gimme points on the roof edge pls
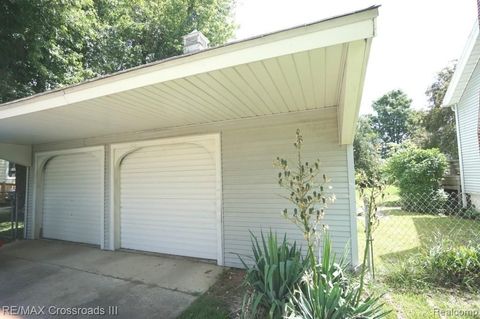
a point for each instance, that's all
(363, 14)
(455, 89)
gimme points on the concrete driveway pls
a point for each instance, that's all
(63, 276)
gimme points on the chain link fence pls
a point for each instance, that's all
(11, 219)
(411, 224)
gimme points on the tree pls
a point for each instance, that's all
(366, 147)
(439, 122)
(393, 118)
(46, 44)
(436, 91)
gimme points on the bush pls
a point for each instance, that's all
(432, 202)
(450, 265)
(418, 174)
(331, 295)
(470, 213)
(277, 268)
(444, 264)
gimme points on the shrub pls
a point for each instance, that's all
(470, 213)
(418, 174)
(331, 295)
(450, 265)
(277, 268)
(428, 202)
(443, 264)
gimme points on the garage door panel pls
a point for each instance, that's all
(168, 196)
(73, 198)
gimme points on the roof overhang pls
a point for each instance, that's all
(304, 68)
(465, 67)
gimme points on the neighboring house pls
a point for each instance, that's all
(463, 95)
(7, 172)
(177, 156)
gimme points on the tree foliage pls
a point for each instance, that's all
(439, 122)
(436, 91)
(366, 147)
(45, 44)
(393, 118)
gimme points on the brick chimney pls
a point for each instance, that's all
(195, 41)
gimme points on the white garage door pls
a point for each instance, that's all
(73, 198)
(168, 200)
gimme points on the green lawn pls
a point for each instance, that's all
(401, 234)
(5, 224)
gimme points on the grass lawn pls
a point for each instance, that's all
(5, 224)
(401, 234)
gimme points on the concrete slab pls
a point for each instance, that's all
(59, 274)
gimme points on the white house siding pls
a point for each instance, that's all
(3, 170)
(251, 197)
(468, 117)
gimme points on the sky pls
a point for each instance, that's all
(415, 39)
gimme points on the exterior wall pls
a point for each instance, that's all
(251, 197)
(3, 171)
(468, 125)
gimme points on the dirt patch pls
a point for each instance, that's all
(229, 290)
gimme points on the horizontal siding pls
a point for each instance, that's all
(3, 171)
(468, 117)
(251, 197)
(73, 203)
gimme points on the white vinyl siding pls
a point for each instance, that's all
(72, 200)
(3, 170)
(251, 196)
(168, 200)
(468, 117)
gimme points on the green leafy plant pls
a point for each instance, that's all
(454, 265)
(277, 267)
(443, 264)
(418, 173)
(331, 295)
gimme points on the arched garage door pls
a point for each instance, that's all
(168, 199)
(73, 197)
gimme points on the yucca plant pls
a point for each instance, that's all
(275, 269)
(331, 301)
(330, 295)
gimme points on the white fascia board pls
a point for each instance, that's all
(327, 33)
(462, 72)
(352, 89)
(19, 154)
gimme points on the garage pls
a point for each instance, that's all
(73, 196)
(170, 197)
